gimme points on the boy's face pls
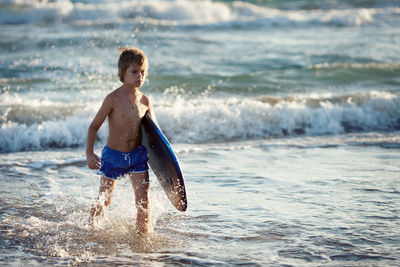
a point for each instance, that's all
(135, 75)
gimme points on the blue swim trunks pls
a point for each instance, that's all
(115, 163)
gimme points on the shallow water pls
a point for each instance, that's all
(279, 205)
(285, 116)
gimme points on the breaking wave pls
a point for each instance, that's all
(185, 12)
(206, 119)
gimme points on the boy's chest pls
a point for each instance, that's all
(128, 113)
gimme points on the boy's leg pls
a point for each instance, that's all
(140, 183)
(104, 199)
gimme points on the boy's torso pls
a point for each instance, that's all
(124, 121)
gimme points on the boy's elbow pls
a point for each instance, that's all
(93, 128)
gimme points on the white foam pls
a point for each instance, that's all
(181, 12)
(69, 132)
(349, 17)
(212, 119)
(205, 119)
(65, 11)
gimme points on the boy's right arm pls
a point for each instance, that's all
(93, 161)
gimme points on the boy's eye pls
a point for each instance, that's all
(137, 71)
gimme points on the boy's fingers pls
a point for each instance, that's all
(97, 163)
(94, 164)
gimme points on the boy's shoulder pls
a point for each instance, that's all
(115, 95)
(144, 99)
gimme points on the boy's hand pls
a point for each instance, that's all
(93, 161)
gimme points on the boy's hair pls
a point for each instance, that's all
(131, 56)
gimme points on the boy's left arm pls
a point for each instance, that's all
(151, 111)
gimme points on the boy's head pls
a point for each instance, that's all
(131, 56)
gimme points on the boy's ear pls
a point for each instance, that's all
(120, 77)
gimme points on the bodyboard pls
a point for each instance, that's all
(164, 163)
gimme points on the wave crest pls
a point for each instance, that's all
(268, 116)
(206, 119)
(184, 12)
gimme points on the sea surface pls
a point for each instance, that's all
(285, 117)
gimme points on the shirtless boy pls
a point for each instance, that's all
(124, 107)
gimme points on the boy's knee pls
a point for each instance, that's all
(142, 186)
(107, 182)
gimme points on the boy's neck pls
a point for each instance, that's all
(130, 90)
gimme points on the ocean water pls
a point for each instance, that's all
(285, 117)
